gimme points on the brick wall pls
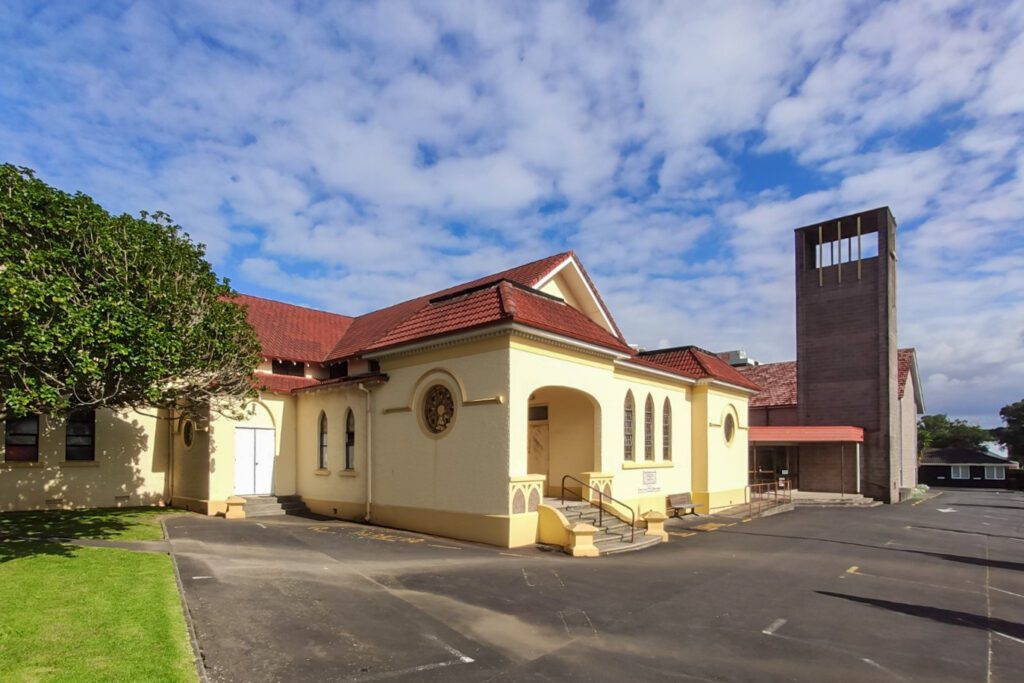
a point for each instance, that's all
(846, 343)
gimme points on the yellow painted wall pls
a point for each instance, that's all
(130, 466)
(537, 364)
(190, 468)
(573, 418)
(467, 469)
(720, 467)
(334, 486)
(270, 411)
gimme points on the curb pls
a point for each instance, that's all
(197, 655)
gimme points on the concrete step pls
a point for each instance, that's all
(274, 506)
(641, 543)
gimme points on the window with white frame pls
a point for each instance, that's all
(960, 471)
(997, 472)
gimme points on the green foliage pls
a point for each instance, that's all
(1012, 435)
(110, 311)
(938, 431)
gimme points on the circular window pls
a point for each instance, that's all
(438, 409)
(729, 427)
(188, 433)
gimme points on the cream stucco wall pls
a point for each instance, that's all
(129, 469)
(538, 366)
(467, 469)
(908, 435)
(720, 466)
(332, 490)
(270, 411)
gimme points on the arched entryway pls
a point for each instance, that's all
(564, 435)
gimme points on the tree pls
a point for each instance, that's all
(938, 431)
(1012, 435)
(111, 311)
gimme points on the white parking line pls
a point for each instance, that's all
(460, 658)
(774, 626)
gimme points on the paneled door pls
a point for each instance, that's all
(254, 461)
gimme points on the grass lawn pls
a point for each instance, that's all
(72, 613)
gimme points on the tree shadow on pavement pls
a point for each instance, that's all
(966, 559)
(945, 616)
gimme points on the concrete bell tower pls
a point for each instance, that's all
(846, 336)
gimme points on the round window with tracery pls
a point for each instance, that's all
(730, 428)
(438, 409)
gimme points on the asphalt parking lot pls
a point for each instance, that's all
(921, 592)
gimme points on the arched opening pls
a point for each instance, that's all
(649, 428)
(666, 430)
(563, 437)
(321, 458)
(350, 440)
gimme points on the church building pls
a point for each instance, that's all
(457, 413)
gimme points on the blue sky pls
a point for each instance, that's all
(350, 155)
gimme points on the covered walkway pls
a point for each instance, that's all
(825, 458)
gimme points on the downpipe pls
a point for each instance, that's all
(369, 451)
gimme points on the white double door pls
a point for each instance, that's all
(254, 461)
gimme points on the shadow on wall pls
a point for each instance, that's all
(124, 451)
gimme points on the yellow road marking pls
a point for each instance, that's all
(514, 555)
(449, 547)
(710, 526)
(852, 570)
(682, 534)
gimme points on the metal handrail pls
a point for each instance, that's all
(766, 493)
(600, 507)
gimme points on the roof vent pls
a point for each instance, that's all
(737, 358)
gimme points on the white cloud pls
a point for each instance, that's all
(356, 154)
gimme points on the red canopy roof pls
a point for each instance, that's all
(806, 434)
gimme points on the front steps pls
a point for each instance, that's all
(817, 499)
(612, 535)
(274, 506)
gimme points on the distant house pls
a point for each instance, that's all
(964, 467)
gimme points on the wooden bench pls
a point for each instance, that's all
(682, 501)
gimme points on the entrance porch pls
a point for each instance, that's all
(811, 459)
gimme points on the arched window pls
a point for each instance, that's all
(350, 440)
(649, 428)
(321, 458)
(628, 428)
(666, 430)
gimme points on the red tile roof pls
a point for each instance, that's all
(778, 380)
(503, 301)
(282, 384)
(694, 362)
(368, 330)
(289, 332)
